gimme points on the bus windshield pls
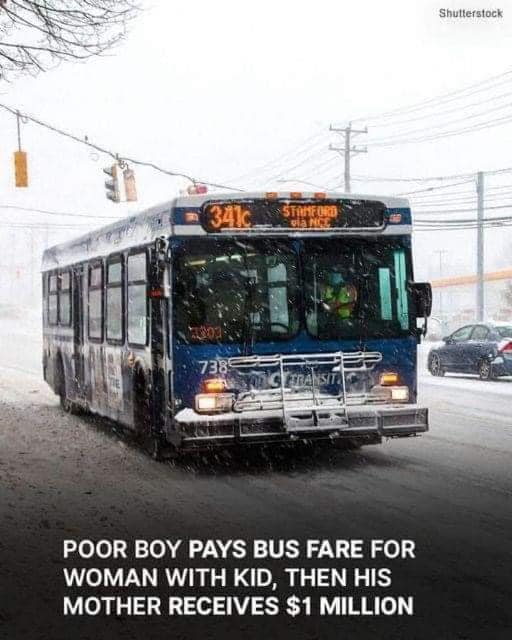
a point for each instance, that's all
(238, 291)
(356, 289)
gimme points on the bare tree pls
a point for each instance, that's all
(36, 35)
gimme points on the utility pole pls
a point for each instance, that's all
(348, 149)
(441, 252)
(480, 247)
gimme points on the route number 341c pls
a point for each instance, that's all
(228, 216)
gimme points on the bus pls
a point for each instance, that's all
(219, 319)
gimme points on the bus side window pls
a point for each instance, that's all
(137, 298)
(114, 301)
(53, 304)
(95, 301)
(65, 299)
(401, 288)
(386, 305)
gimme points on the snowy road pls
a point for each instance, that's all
(449, 490)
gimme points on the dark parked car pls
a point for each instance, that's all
(484, 348)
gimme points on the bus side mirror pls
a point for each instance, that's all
(158, 273)
(422, 298)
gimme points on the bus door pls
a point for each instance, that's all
(78, 330)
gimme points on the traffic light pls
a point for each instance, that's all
(112, 185)
(130, 188)
(20, 169)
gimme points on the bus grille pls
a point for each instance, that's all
(310, 405)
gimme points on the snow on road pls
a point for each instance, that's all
(65, 476)
(450, 490)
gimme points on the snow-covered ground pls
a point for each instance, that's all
(21, 339)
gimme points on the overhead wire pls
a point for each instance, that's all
(441, 125)
(441, 98)
(296, 151)
(446, 111)
(447, 134)
(112, 154)
(435, 188)
(59, 213)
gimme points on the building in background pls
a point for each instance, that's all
(454, 300)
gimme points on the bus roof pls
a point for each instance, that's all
(145, 227)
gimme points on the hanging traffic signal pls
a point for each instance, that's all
(20, 169)
(130, 188)
(112, 185)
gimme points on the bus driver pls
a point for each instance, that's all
(339, 296)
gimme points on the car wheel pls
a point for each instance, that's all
(436, 368)
(485, 370)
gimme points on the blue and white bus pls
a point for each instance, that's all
(220, 319)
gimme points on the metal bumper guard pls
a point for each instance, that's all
(283, 413)
(376, 422)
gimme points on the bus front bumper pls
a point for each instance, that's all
(368, 423)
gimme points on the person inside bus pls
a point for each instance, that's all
(339, 296)
(191, 308)
(225, 302)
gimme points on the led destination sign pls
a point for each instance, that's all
(328, 214)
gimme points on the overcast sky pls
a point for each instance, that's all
(216, 89)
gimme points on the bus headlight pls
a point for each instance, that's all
(399, 394)
(214, 402)
(389, 394)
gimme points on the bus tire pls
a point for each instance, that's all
(346, 444)
(67, 405)
(149, 442)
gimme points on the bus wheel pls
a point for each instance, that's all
(151, 443)
(346, 444)
(67, 405)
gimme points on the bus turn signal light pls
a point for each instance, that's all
(388, 378)
(191, 217)
(214, 385)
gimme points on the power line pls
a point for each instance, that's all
(112, 154)
(461, 227)
(58, 213)
(399, 135)
(362, 178)
(420, 199)
(445, 111)
(467, 199)
(447, 134)
(430, 221)
(505, 206)
(295, 151)
(42, 225)
(442, 98)
(318, 153)
(427, 189)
